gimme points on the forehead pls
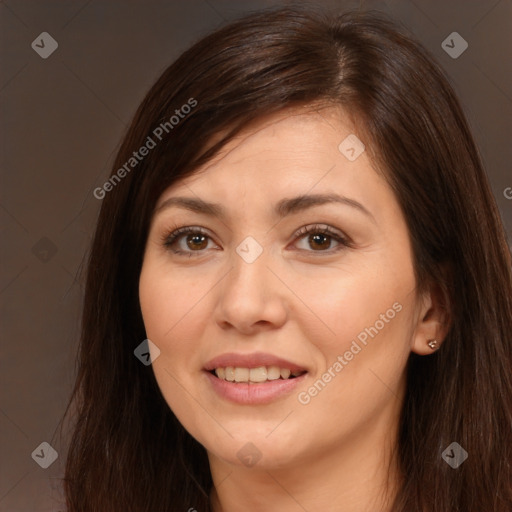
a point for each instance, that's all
(291, 150)
(289, 132)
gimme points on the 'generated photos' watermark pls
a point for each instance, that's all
(150, 143)
(304, 397)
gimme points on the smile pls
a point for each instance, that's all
(250, 379)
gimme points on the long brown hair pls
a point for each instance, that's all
(128, 451)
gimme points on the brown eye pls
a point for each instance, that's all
(320, 237)
(196, 241)
(321, 240)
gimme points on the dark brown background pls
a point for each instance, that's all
(62, 119)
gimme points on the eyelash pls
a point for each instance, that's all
(170, 238)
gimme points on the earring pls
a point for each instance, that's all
(432, 344)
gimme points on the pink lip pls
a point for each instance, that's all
(250, 361)
(251, 393)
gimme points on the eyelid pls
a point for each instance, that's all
(335, 233)
(169, 238)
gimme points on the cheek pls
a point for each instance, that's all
(166, 300)
(363, 365)
(170, 310)
(362, 302)
(172, 323)
(370, 311)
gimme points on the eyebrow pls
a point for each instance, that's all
(287, 206)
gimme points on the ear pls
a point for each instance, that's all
(434, 320)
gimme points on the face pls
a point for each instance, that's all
(306, 309)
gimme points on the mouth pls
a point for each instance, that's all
(253, 378)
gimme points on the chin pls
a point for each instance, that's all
(257, 451)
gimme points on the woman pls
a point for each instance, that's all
(299, 290)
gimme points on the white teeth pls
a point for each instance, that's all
(256, 375)
(241, 374)
(230, 374)
(273, 373)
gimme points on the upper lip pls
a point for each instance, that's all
(250, 361)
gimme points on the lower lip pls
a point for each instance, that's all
(254, 393)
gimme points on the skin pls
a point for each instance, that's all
(299, 300)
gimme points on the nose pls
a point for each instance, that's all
(251, 297)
